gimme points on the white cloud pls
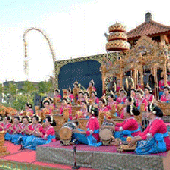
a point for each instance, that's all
(78, 32)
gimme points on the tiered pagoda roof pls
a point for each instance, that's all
(149, 28)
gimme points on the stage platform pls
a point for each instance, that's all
(103, 157)
(26, 160)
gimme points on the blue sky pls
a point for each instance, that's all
(75, 29)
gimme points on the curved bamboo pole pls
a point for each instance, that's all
(25, 48)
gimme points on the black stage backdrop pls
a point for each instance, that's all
(83, 72)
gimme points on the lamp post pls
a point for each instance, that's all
(74, 155)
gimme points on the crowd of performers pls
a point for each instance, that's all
(31, 133)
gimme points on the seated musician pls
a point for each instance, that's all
(140, 99)
(28, 109)
(148, 94)
(25, 130)
(165, 98)
(155, 137)
(83, 111)
(122, 98)
(80, 98)
(14, 130)
(46, 110)
(57, 94)
(129, 127)
(102, 106)
(161, 85)
(33, 131)
(94, 98)
(44, 135)
(70, 96)
(65, 105)
(4, 126)
(91, 136)
(112, 102)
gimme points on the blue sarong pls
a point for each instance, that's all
(15, 138)
(8, 136)
(32, 141)
(155, 144)
(88, 140)
(121, 134)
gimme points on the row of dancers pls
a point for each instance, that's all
(153, 139)
(26, 134)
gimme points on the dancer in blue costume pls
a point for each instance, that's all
(45, 135)
(91, 136)
(16, 129)
(26, 129)
(33, 132)
(5, 125)
(155, 138)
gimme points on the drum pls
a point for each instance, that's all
(66, 133)
(105, 136)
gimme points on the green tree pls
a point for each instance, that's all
(29, 90)
(45, 87)
(19, 104)
(10, 92)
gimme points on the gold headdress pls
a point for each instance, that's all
(92, 81)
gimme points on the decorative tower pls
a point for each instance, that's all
(117, 39)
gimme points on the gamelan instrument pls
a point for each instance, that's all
(124, 146)
(66, 133)
(165, 107)
(82, 122)
(106, 136)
